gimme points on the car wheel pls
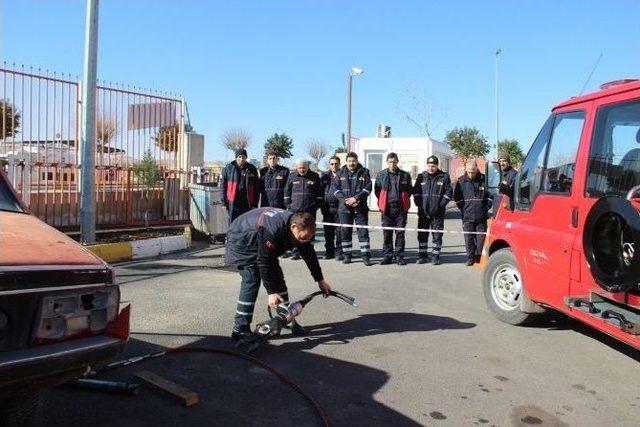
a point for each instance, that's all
(21, 408)
(503, 288)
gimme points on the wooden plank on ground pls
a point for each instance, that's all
(177, 392)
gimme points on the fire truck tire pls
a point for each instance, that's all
(610, 242)
(503, 288)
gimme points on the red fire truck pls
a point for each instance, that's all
(566, 235)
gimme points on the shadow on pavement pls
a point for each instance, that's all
(372, 324)
(553, 320)
(233, 391)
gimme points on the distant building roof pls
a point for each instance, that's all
(68, 142)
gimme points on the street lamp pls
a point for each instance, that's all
(355, 71)
(497, 107)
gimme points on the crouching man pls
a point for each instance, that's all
(255, 240)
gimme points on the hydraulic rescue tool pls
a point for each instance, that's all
(284, 314)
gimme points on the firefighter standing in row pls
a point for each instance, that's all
(393, 190)
(352, 188)
(474, 201)
(273, 179)
(240, 186)
(255, 240)
(332, 234)
(432, 192)
(303, 193)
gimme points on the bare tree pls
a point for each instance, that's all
(235, 139)
(106, 129)
(317, 150)
(420, 112)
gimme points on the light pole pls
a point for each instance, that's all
(88, 136)
(497, 107)
(355, 71)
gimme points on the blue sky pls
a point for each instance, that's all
(281, 66)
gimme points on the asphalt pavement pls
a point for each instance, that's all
(420, 349)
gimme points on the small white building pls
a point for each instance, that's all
(412, 153)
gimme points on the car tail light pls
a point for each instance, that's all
(75, 314)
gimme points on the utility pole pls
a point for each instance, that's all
(497, 109)
(355, 71)
(88, 136)
(349, 91)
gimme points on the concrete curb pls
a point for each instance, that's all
(137, 249)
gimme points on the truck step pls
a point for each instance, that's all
(612, 312)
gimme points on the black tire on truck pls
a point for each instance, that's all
(21, 407)
(503, 288)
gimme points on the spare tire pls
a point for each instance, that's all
(611, 243)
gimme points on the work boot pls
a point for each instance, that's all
(470, 262)
(241, 333)
(339, 256)
(401, 261)
(424, 259)
(347, 259)
(329, 255)
(386, 260)
(367, 261)
(436, 260)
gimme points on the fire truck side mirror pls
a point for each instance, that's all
(494, 177)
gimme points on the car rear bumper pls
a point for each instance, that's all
(53, 363)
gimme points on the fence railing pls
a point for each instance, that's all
(141, 171)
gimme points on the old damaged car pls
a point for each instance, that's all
(59, 309)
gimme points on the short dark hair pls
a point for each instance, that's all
(334, 158)
(353, 155)
(303, 220)
(272, 153)
(392, 155)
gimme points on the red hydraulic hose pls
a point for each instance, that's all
(316, 406)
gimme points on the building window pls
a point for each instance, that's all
(374, 163)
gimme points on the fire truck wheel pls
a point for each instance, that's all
(503, 288)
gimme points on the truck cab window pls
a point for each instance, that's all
(530, 176)
(614, 157)
(562, 152)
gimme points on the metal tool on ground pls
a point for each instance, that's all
(284, 314)
(125, 362)
(107, 386)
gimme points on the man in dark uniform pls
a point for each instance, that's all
(332, 234)
(508, 172)
(240, 186)
(273, 178)
(431, 193)
(255, 240)
(393, 190)
(508, 179)
(352, 188)
(303, 193)
(474, 201)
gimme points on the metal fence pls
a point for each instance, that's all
(141, 171)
